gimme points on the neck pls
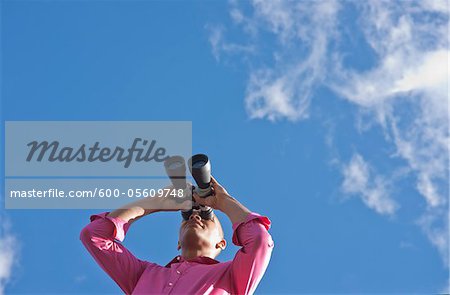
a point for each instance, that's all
(194, 253)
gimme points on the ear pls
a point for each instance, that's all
(222, 244)
(179, 246)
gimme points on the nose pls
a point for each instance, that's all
(196, 216)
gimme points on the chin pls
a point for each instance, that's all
(195, 236)
(192, 234)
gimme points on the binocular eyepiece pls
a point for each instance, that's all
(200, 169)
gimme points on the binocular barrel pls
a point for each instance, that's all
(176, 170)
(200, 169)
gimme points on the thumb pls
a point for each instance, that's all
(197, 198)
(214, 183)
(217, 186)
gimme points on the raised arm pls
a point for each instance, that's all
(102, 239)
(251, 233)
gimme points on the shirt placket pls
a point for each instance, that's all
(175, 275)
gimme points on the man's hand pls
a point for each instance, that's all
(171, 202)
(222, 201)
(216, 199)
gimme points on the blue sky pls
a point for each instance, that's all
(331, 118)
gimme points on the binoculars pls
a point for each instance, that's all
(200, 169)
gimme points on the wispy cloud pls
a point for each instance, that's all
(285, 89)
(8, 253)
(434, 223)
(220, 46)
(403, 89)
(359, 180)
(412, 51)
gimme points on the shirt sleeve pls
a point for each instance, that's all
(100, 237)
(251, 261)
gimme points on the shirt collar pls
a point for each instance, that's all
(200, 259)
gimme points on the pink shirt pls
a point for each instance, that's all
(202, 275)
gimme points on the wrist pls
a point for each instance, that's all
(234, 210)
(223, 202)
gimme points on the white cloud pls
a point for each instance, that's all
(220, 46)
(285, 90)
(435, 5)
(434, 224)
(359, 180)
(404, 90)
(430, 73)
(271, 98)
(8, 254)
(413, 62)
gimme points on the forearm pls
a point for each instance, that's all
(133, 211)
(233, 209)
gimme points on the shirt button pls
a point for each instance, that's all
(170, 284)
(178, 257)
(178, 272)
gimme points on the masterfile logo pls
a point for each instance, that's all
(54, 152)
(92, 165)
(94, 148)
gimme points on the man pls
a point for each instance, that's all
(195, 271)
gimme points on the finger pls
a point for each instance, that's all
(216, 185)
(187, 204)
(197, 198)
(195, 195)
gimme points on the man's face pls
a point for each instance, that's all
(200, 233)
